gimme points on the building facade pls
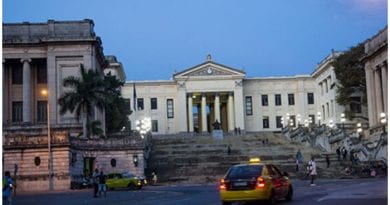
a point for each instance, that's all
(376, 78)
(199, 96)
(37, 57)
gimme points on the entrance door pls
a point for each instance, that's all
(89, 165)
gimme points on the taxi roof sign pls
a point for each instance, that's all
(254, 160)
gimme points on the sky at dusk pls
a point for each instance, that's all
(153, 38)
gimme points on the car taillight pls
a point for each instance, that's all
(260, 182)
(222, 185)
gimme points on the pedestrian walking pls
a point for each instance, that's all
(327, 161)
(154, 178)
(298, 155)
(312, 169)
(229, 150)
(7, 188)
(338, 153)
(95, 182)
(102, 184)
(296, 164)
(345, 152)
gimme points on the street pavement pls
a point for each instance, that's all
(327, 192)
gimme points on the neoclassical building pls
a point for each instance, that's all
(36, 57)
(198, 96)
(376, 78)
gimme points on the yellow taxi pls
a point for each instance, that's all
(255, 181)
(123, 180)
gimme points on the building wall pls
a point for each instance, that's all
(299, 86)
(377, 77)
(162, 91)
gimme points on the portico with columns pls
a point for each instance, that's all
(213, 93)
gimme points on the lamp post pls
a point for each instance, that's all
(299, 119)
(331, 123)
(342, 120)
(359, 129)
(143, 126)
(288, 119)
(50, 168)
(383, 121)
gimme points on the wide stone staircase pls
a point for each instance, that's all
(202, 159)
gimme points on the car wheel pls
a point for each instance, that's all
(226, 203)
(289, 195)
(131, 186)
(271, 200)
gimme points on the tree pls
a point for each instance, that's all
(350, 73)
(86, 92)
(117, 108)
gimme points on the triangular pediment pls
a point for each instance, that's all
(209, 69)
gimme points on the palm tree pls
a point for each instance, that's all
(87, 92)
(117, 108)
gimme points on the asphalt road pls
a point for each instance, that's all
(327, 192)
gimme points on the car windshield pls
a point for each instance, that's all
(128, 175)
(246, 171)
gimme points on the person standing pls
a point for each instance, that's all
(154, 179)
(102, 184)
(338, 153)
(95, 182)
(312, 171)
(7, 188)
(298, 156)
(327, 161)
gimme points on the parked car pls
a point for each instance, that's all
(123, 180)
(255, 181)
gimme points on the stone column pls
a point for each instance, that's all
(378, 94)
(230, 112)
(5, 93)
(384, 85)
(26, 90)
(190, 114)
(370, 94)
(217, 112)
(204, 113)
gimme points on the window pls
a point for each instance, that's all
(140, 103)
(17, 111)
(265, 122)
(154, 126)
(278, 100)
(291, 100)
(310, 98)
(327, 110)
(42, 111)
(153, 103)
(264, 100)
(355, 105)
(248, 105)
(170, 108)
(127, 103)
(279, 122)
(17, 74)
(42, 73)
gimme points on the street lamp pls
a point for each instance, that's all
(383, 121)
(282, 122)
(306, 123)
(288, 119)
(45, 92)
(319, 118)
(342, 120)
(143, 126)
(299, 119)
(331, 123)
(359, 129)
